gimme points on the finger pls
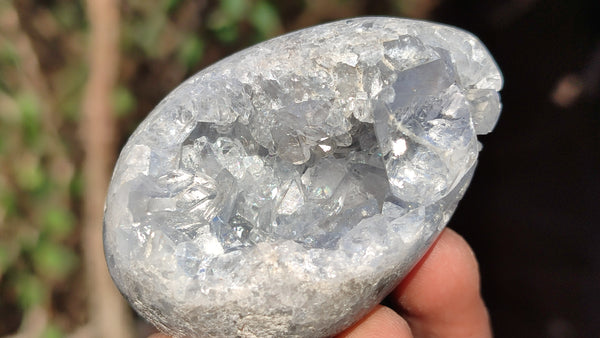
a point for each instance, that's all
(441, 295)
(159, 335)
(381, 322)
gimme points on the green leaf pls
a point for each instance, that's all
(76, 185)
(171, 5)
(30, 291)
(234, 9)
(2, 144)
(69, 14)
(4, 259)
(58, 222)
(31, 177)
(52, 331)
(53, 261)
(28, 106)
(227, 34)
(29, 109)
(265, 19)
(123, 101)
(72, 81)
(145, 33)
(8, 202)
(9, 54)
(218, 20)
(191, 51)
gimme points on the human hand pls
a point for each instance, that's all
(440, 297)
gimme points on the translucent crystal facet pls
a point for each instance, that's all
(286, 189)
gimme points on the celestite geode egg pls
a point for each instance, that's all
(285, 190)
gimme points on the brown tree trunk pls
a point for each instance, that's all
(109, 315)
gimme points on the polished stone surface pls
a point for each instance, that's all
(288, 188)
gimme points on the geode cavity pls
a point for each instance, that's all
(285, 190)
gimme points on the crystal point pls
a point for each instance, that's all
(285, 190)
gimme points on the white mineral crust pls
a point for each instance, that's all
(286, 189)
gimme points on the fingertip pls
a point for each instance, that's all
(442, 293)
(448, 271)
(381, 322)
(159, 335)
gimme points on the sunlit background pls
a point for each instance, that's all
(76, 77)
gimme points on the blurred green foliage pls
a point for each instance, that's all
(38, 221)
(123, 101)
(191, 51)
(30, 290)
(43, 71)
(52, 331)
(225, 20)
